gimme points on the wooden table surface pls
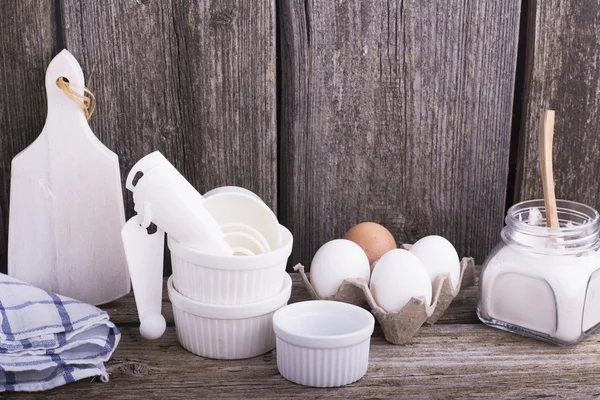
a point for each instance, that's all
(455, 358)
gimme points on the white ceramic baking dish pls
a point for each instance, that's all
(323, 343)
(229, 280)
(227, 331)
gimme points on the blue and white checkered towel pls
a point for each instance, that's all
(47, 340)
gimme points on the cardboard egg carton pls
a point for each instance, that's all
(399, 327)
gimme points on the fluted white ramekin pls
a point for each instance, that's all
(227, 331)
(323, 343)
(229, 280)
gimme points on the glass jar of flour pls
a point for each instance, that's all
(544, 282)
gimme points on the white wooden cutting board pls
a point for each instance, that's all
(66, 203)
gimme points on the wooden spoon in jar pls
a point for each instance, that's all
(545, 138)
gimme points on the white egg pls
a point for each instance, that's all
(335, 261)
(397, 277)
(439, 257)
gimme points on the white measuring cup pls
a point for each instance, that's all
(163, 196)
(237, 228)
(230, 189)
(241, 208)
(244, 244)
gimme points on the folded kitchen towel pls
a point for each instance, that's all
(47, 340)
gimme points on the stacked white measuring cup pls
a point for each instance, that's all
(228, 253)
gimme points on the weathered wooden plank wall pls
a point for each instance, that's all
(193, 79)
(563, 73)
(397, 112)
(27, 44)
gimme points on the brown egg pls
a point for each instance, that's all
(373, 238)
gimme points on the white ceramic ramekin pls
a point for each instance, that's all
(227, 332)
(229, 280)
(323, 343)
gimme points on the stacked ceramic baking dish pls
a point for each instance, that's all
(229, 301)
(228, 253)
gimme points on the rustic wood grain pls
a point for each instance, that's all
(397, 112)
(27, 44)
(563, 74)
(193, 79)
(443, 361)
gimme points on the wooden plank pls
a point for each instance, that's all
(461, 311)
(195, 80)
(397, 112)
(563, 74)
(27, 44)
(452, 360)
(444, 361)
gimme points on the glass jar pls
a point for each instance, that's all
(544, 282)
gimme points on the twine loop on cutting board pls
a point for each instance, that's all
(87, 101)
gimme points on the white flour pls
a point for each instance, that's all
(542, 292)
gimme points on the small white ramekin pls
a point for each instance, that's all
(323, 343)
(227, 331)
(229, 280)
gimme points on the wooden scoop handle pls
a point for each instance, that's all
(545, 139)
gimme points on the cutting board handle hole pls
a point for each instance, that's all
(151, 229)
(138, 175)
(64, 79)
